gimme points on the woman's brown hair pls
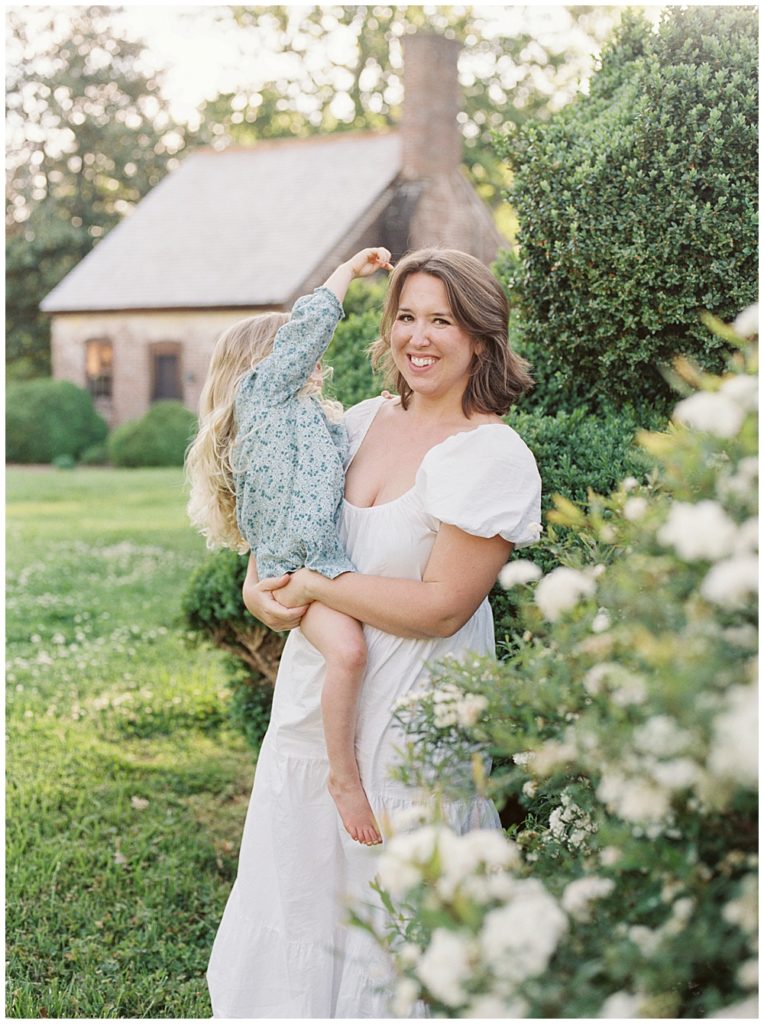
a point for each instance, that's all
(498, 376)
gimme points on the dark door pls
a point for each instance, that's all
(166, 376)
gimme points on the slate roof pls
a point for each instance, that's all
(241, 227)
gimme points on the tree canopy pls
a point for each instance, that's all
(89, 134)
(358, 85)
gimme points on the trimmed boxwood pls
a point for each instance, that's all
(214, 612)
(575, 452)
(160, 438)
(637, 207)
(353, 379)
(48, 419)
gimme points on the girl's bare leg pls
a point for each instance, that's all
(339, 638)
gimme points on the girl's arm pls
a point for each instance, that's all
(259, 600)
(459, 574)
(300, 343)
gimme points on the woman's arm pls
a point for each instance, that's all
(459, 574)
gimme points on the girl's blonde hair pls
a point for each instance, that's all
(209, 459)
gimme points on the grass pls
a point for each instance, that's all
(126, 789)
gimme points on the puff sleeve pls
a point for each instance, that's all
(485, 481)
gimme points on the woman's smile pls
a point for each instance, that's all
(421, 362)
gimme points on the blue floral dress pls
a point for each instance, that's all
(288, 459)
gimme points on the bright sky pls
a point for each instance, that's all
(203, 53)
(204, 56)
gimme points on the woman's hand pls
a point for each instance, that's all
(260, 601)
(298, 592)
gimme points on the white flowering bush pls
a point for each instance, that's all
(624, 723)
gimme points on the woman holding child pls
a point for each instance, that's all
(437, 492)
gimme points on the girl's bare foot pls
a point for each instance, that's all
(355, 810)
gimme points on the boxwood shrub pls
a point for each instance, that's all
(637, 207)
(48, 419)
(576, 452)
(353, 378)
(160, 438)
(214, 612)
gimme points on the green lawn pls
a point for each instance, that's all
(126, 791)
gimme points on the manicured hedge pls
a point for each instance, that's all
(50, 419)
(160, 438)
(575, 452)
(637, 207)
(213, 609)
(353, 379)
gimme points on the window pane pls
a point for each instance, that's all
(98, 367)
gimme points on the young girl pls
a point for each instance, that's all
(266, 474)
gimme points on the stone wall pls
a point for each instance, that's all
(132, 334)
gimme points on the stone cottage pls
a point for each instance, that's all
(238, 232)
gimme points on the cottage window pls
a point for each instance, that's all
(99, 359)
(166, 371)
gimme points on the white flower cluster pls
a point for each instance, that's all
(743, 910)
(635, 507)
(450, 705)
(446, 965)
(721, 412)
(632, 797)
(579, 895)
(515, 933)
(561, 589)
(655, 765)
(519, 938)
(621, 1006)
(702, 531)
(746, 323)
(601, 621)
(623, 686)
(569, 824)
(705, 531)
(740, 485)
(518, 572)
(408, 856)
(733, 756)
(732, 583)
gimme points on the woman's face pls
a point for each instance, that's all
(432, 352)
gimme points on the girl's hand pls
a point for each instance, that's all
(260, 601)
(368, 261)
(297, 592)
(364, 263)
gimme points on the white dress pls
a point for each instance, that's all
(283, 948)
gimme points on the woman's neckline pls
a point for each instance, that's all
(392, 501)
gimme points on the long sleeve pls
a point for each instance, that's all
(298, 346)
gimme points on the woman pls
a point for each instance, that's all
(438, 491)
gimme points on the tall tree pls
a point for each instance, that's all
(342, 70)
(88, 135)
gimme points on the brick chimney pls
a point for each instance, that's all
(432, 142)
